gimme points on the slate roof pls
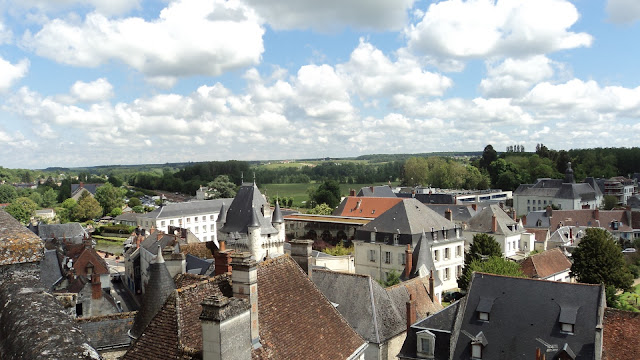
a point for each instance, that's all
(364, 207)
(130, 217)
(557, 188)
(545, 264)
(538, 219)
(191, 208)
(483, 222)
(440, 323)
(430, 198)
(50, 269)
(73, 232)
(196, 265)
(410, 217)
(423, 260)
(621, 341)
(459, 213)
(377, 191)
(240, 212)
(108, 331)
(75, 188)
(376, 313)
(511, 332)
(296, 321)
(17, 243)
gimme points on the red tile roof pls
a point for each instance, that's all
(545, 264)
(365, 206)
(540, 234)
(592, 218)
(621, 341)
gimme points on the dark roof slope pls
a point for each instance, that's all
(461, 213)
(240, 212)
(73, 232)
(376, 313)
(621, 341)
(50, 269)
(108, 331)
(409, 216)
(296, 320)
(505, 225)
(17, 243)
(377, 191)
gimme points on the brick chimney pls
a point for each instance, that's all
(448, 214)
(474, 206)
(549, 212)
(431, 287)
(371, 188)
(352, 192)
(96, 287)
(222, 260)
(225, 328)
(411, 312)
(494, 223)
(524, 220)
(301, 253)
(244, 278)
(408, 261)
(596, 214)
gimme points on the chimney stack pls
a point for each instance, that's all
(596, 214)
(431, 287)
(222, 260)
(244, 278)
(225, 324)
(352, 192)
(96, 287)
(448, 214)
(411, 312)
(371, 188)
(301, 254)
(494, 223)
(408, 263)
(549, 212)
(474, 206)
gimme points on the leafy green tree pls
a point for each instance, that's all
(49, 198)
(328, 193)
(223, 187)
(87, 208)
(8, 193)
(484, 247)
(415, 171)
(393, 278)
(133, 202)
(322, 209)
(115, 181)
(109, 197)
(22, 209)
(489, 155)
(138, 209)
(65, 190)
(36, 197)
(63, 214)
(599, 260)
(115, 212)
(338, 250)
(609, 202)
(493, 265)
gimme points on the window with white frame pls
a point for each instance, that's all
(425, 344)
(476, 351)
(447, 253)
(395, 239)
(436, 255)
(458, 270)
(459, 251)
(188, 220)
(196, 229)
(162, 223)
(212, 227)
(170, 222)
(372, 255)
(446, 274)
(211, 217)
(195, 219)
(402, 258)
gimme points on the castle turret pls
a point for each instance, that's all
(253, 230)
(278, 223)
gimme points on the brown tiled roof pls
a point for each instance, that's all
(540, 234)
(175, 331)
(17, 243)
(545, 264)
(296, 320)
(89, 255)
(621, 341)
(587, 217)
(369, 206)
(203, 250)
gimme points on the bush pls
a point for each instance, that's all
(115, 229)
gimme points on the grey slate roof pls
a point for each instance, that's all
(410, 217)
(108, 332)
(196, 265)
(441, 324)
(525, 315)
(73, 232)
(89, 187)
(422, 255)
(160, 286)
(483, 222)
(376, 191)
(191, 208)
(556, 188)
(534, 216)
(50, 269)
(276, 217)
(461, 213)
(239, 215)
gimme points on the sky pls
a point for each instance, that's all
(115, 82)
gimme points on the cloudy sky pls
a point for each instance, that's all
(98, 82)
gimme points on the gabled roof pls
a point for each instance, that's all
(482, 222)
(540, 234)
(191, 208)
(73, 232)
(370, 207)
(108, 331)
(76, 188)
(409, 216)
(17, 243)
(50, 269)
(376, 313)
(621, 341)
(90, 256)
(296, 321)
(239, 214)
(592, 218)
(423, 260)
(545, 264)
(440, 323)
(460, 213)
(557, 188)
(377, 191)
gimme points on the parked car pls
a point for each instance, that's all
(629, 250)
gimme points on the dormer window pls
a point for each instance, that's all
(426, 344)
(476, 351)
(567, 320)
(478, 343)
(484, 308)
(566, 328)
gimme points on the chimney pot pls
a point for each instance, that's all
(431, 287)
(408, 263)
(301, 254)
(494, 223)
(411, 312)
(448, 214)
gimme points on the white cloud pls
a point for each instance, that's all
(95, 91)
(623, 11)
(10, 73)
(332, 15)
(486, 28)
(190, 37)
(514, 77)
(106, 7)
(6, 35)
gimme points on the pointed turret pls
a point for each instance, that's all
(568, 175)
(158, 289)
(222, 217)
(276, 218)
(254, 222)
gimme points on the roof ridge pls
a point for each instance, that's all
(373, 311)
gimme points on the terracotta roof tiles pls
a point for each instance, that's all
(545, 264)
(365, 206)
(621, 341)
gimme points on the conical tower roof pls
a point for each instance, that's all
(276, 218)
(254, 222)
(222, 217)
(158, 289)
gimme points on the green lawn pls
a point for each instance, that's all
(631, 300)
(299, 191)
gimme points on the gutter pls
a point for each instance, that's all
(359, 351)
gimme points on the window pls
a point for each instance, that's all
(436, 255)
(372, 255)
(447, 254)
(426, 344)
(483, 316)
(545, 202)
(458, 250)
(204, 228)
(170, 222)
(212, 227)
(211, 217)
(188, 220)
(162, 223)
(180, 222)
(195, 219)
(476, 351)
(458, 270)
(567, 328)
(402, 259)
(447, 275)
(387, 257)
(528, 201)
(196, 229)
(395, 239)
(538, 202)
(528, 208)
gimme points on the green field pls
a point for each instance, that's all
(299, 191)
